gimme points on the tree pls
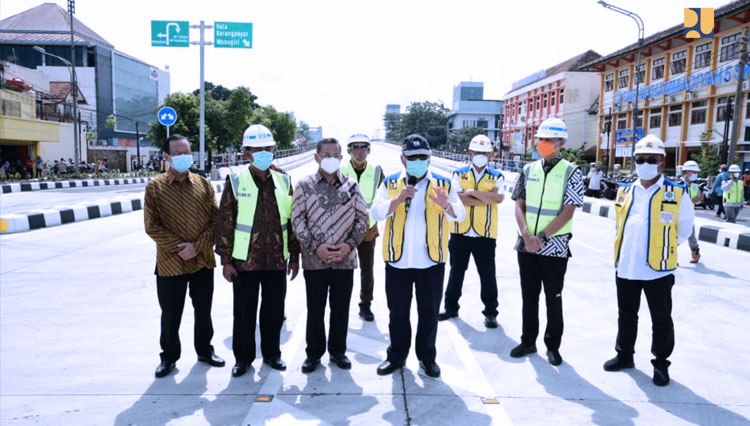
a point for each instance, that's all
(393, 131)
(281, 125)
(574, 155)
(458, 140)
(188, 121)
(429, 119)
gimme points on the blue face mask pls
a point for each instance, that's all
(417, 168)
(262, 160)
(182, 162)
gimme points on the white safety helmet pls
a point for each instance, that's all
(690, 166)
(357, 137)
(734, 169)
(552, 128)
(480, 143)
(650, 144)
(257, 136)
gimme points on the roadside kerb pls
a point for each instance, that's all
(37, 186)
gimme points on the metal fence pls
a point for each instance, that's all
(237, 158)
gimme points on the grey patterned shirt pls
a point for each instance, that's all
(557, 246)
(329, 213)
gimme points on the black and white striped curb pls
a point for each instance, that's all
(725, 237)
(37, 186)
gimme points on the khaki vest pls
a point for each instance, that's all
(483, 219)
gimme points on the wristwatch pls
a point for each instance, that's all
(543, 236)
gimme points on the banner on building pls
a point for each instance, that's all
(624, 141)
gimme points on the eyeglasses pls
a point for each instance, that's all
(359, 147)
(649, 160)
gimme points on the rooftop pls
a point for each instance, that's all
(572, 64)
(47, 23)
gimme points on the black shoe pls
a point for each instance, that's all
(522, 349)
(661, 372)
(309, 365)
(341, 361)
(240, 368)
(275, 363)
(617, 363)
(490, 321)
(430, 368)
(388, 367)
(164, 368)
(442, 316)
(212, 360)
(553, 357)
(366, 314)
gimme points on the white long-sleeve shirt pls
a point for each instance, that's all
(633, 264)
(414, 253)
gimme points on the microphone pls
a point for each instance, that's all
(410, 182)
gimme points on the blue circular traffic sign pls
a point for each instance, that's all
(167, 116)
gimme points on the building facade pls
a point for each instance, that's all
(470, 109)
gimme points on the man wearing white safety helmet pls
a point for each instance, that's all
(732, 188)
(653, 216)
(480, 188)
(257, 247)
(690, 173)
(547, 194)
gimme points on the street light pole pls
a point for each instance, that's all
(639, 22)
(74, 90)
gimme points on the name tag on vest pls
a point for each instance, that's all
(667, 217)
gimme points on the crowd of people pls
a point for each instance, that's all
(264, 224)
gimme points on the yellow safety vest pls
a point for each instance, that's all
(544, 195)
(368, 183)
(246, 193)
(734, 193)
(664, 213)
(482, 218)
(437, 236)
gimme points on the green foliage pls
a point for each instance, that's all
(574, 155)
(282, 126)
(458, 140)
(111, 122)
(429, 119)
(393, 131)
(708, 159)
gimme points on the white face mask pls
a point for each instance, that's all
(479, 160)
(692, 177)
(330, 165)
(647, 171)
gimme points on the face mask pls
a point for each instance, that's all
(182, 162)
(262, 160)
(545, 148)
(647, 171)
(736, 175)
(417, 168)
(330, 165)
(479, 160)
(692, 177)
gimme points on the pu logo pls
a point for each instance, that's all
(699, 22)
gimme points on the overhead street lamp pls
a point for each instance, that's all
(74, 92)
(639, 22)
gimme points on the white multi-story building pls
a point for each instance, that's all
(471, 109)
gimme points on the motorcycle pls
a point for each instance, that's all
(708, 201)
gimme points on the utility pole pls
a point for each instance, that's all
(74, 91)
(202, 43)
(744, 60)
(725, 140)
(137, 146)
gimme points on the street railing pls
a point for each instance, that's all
(238, 159)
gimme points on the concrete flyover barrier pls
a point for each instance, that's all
(38, 186)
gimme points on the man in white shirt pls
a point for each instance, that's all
(417, 207)
(595, 180)
(653, 217)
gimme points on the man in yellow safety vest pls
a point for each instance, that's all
(732, 188)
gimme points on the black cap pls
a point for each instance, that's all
(415, 145)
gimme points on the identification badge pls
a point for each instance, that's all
(669, 196)
(667, 217)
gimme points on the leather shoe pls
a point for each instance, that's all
(553, 357)
(430, 368)
(240, 368)
(522, 349)
(388, 367)
(617, 363)
(661, 372)
(341, 361)
(163, 369)
(310, 364)
(212, 360)
(442, 316)
(366, 314)
(275, 363)
(490, 321)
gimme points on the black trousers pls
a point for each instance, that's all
(461, 248)
(659, 298)
(719, 200)
(272, 286)
(366, 253)
(398, 291)
(321, 285)
(536, 272)
(171, 293)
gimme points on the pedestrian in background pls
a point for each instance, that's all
(595, 181)
(330, 220)
(718, 192)
(732, 188)
(39, 166)
(180, 216)
(690, 170)
(746, 185)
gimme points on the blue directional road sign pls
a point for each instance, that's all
(167, 116)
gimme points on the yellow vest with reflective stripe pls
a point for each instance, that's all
(544, 195)
(246, 193)
(438, 233)
(734, 193)
(664, 213)
(368, 183)
(482, 218)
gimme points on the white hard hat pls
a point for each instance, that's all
(357, 137)
(690, 166)
(480, 143)
(552, 128)
(734, 169)
(650, 144)
(257, 136)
